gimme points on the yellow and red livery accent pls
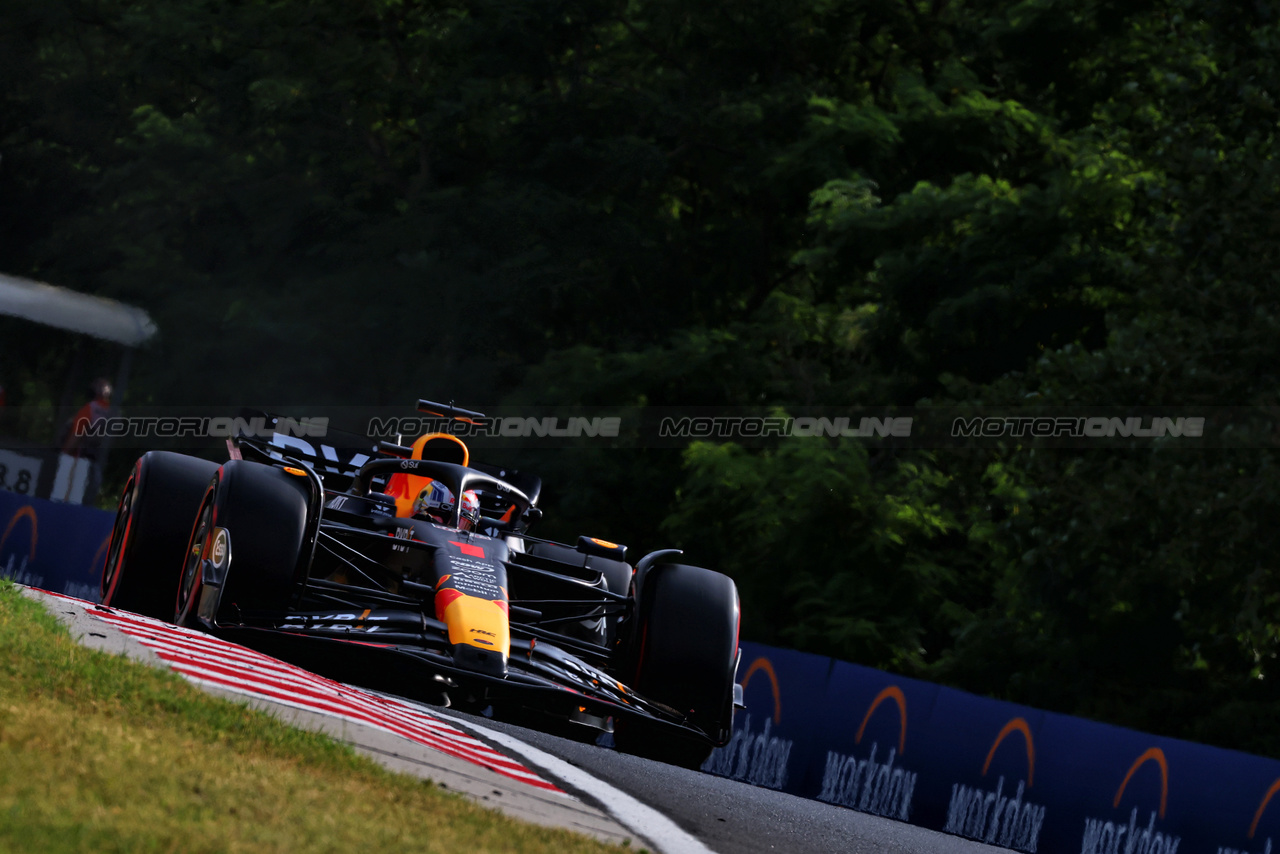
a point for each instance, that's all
(475, 621)
(404, 488)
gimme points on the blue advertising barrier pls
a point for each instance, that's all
(58, 547)
(871, 741)
(1001, 773)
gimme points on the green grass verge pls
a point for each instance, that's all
(99, 753)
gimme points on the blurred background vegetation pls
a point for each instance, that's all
(767, 203)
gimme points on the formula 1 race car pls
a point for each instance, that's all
(411, 571)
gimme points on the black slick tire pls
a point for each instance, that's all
(264, 511)
(153, 524)
(684, 651)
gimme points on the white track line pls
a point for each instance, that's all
(646, 822)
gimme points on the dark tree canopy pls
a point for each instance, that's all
(764, 205)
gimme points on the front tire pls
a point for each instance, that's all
(264, 511)
(684, 653)
(190, 582)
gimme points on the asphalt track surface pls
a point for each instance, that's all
(732, 817)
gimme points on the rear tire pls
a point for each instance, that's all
(684, 652)
(152, 527)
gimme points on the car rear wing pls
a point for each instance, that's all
(338, 455)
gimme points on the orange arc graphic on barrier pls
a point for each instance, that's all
(893, 692)
(1019, 725)
(101, 553)
(1262, 807)
(1158, 755)
(27, 512)
(763, 664)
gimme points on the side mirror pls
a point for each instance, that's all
(602, 548)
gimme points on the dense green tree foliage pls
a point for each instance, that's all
(772, 206)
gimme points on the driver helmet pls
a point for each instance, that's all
(435, 502)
